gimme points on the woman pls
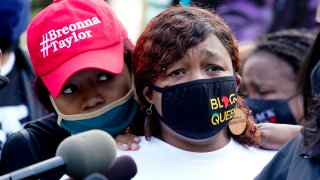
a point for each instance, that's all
(78, 50)
(299, 158)
(185, 66)
(270, 84)
(270, 76)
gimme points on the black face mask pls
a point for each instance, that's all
(274, 111)
(199, 109)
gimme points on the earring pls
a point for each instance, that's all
(148, 124)
(239, 122)
(149, 110)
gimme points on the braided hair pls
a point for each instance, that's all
(290, 45)
(311, 104)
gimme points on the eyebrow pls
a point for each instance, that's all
(261, 83)
(209, 53)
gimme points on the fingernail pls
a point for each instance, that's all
(134, 146)
(136, 139)
(125, 145)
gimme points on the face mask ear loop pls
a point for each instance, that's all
(156, 88)
(291, 97)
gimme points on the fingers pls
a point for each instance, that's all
(128, 142)
(121, 141)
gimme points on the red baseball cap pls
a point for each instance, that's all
(73, 35)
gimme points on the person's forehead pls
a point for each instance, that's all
(211, 46)
(267, 66)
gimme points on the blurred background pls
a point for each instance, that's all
(130, 12)
(249, 19)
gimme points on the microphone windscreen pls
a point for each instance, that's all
(96, 176)
(87, 152)
(123, 169)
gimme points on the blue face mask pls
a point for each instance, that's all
(113, 118)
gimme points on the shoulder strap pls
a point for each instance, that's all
(30, 144)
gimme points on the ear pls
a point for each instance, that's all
(238, 80)
(147, 94)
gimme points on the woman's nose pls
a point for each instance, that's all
(93, 102)
(196, 75)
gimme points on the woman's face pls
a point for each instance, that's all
(208, 59)
(91, 89)
(266, 76)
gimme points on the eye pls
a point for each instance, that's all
(264, 92)
(214, 68)
(103, 76)
(243, 91)
(69, 89)
(176, 73)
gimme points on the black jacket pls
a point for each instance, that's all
(35, 108)
(292, 162)
(44, 137)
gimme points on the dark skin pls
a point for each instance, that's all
(91, 89)
(277, 82)
(269, 132)
(270, 138)
(209, 59)
(266, 86)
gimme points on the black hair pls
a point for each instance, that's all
(311, 130)
(289, 45)
(7, 46)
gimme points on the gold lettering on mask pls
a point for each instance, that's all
(216, 103)
(218, 118)
(232, 98)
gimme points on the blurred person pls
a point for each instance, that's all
(299, 158)
(82, 58)
(270, 76)
(18, 102)
(270, 84)
(249, 19)
(186, 65)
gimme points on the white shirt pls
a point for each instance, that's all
(158, 160)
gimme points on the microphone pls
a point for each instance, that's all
(78, 155)
(123, 169)
(96, 176)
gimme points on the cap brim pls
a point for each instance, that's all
(109, 60)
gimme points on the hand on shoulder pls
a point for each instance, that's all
(127, 142)
(273, 136)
